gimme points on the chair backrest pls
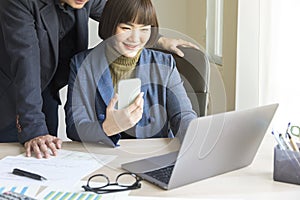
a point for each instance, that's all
(194, 68)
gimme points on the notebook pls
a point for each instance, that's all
(212, 145)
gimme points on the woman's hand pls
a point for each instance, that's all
(120, 120)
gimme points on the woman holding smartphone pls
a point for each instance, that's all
(162, 109)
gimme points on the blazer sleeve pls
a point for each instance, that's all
(179, 107)
(22, 45)
(82, 121)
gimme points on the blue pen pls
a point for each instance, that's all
(281, 146)
(285, 144)
(287, 130)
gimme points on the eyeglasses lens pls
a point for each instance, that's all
(98, 181)
(126, 180)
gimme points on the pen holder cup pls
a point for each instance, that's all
(286, 166)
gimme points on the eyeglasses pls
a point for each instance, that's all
(100, 183)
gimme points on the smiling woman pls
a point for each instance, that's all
(131, 37)
(162, 109)
(188, 18)
(140, 16)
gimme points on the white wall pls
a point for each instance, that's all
(172, 17)
(93, 33)
(196, 20)
(228, 69)
(247, 79)
(186, 17)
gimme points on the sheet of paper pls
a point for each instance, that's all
(67, 168)
(60, 195)
(175, 198)
(76, 193)
(22, 189)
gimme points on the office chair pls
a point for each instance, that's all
(194, 68)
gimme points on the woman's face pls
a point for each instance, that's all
(77, 4)
(131, 37)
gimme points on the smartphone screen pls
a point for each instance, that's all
(128, 90)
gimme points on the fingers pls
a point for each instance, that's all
(112, 103)
(136, 115)
(41, 146)
(58, 143)
(172, 45)
(27, 149)
(182, 43)
(54, 145)
(135, 110)
(188, 44)
(42, 149)
(32, 146)
(137, 104)
(178, 51)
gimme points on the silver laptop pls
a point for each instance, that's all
(213, 145)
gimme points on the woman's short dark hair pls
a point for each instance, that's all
(124, 11)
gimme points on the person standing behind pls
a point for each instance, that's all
(37, 40)
(162, 109)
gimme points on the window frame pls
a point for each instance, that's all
(214, 30)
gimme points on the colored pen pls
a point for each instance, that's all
(281, 146)
(287, 129)
(285, 144)
(293, 144)
(20, 172)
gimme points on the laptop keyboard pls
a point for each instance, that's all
(162, 174)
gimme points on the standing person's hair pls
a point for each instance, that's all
(124, 11)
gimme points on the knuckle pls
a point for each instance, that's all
(136, 103)
(131, 122)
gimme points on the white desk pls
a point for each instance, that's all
(252, 182)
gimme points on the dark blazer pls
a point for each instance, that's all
(167, 109)
(29, 44)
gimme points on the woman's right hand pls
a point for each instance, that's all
(121, 120)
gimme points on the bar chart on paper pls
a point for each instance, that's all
(25, 190)
(56, 195)
(19, 189)
(75, 193)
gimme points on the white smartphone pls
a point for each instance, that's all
(128, 90)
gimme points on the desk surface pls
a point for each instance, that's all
(252, 182)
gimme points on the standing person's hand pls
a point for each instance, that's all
(120, 120)
(41, 146)
(172, 45)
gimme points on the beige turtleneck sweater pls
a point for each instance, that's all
(121, 67)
